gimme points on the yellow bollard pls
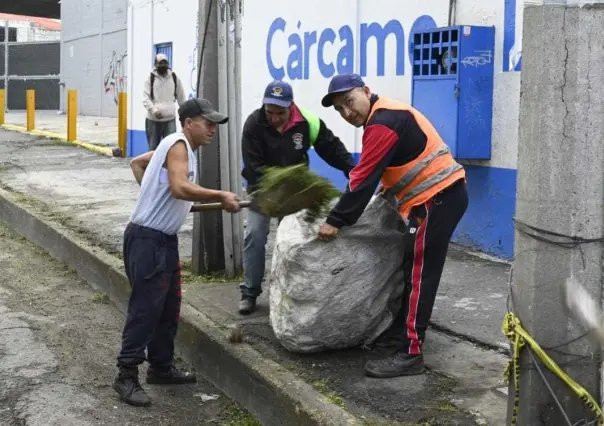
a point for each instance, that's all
(31, 109)
(2, 106)
(122, 125)
(72, 115)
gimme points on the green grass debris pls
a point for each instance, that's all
(288, 190)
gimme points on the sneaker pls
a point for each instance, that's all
(247, 305)
(399, 364)
(170, 376)
(129, 389)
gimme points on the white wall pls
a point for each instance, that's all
(93, 53)
(151, 23)
(309, 90)
(488, 223)
(178, 24)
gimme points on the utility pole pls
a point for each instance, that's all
(208, 247)
(218, 236)
(560, 189)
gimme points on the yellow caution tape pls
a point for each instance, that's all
(519, 338)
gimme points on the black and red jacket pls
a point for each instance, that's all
(262, 145)
(390, 138)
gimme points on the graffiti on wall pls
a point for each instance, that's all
(193, 70)
(115, 78)
(193, 65)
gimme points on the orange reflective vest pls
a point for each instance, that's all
(432, 171)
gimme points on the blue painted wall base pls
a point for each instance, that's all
(137, 143)
(487, 225)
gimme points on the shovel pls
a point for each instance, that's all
(583, 307)
(210, 207)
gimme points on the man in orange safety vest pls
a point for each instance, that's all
(403, 151)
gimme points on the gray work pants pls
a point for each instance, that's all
(157, 130)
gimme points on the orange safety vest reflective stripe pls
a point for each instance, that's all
(434, 170)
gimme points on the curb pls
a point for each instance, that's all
(91, 147)
(273, 394)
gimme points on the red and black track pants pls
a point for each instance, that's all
(431, 226)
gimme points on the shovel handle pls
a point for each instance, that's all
(209, 207)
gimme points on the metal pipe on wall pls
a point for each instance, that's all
(223, 132)
(237, 21)
(238, 31)
(62, 103)
(198, 258)
(130, 66)
(237, 142)
(233, 124)
(6, 31)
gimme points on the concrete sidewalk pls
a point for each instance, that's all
(100, 131)
(92, 197)
(97, 134)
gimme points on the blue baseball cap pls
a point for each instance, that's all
(279, 93)
(341, 83)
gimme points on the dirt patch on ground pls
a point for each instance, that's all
(48, 212)
(418, 400)
(58, 342)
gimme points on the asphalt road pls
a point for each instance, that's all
(58, 342)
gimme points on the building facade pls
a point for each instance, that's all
(291, 41)
(94, 53)
(170, 27)
(29, 29)
(30, 59)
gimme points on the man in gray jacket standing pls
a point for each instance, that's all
(162, 89)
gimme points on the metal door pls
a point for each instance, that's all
(166, 49)
(435, 91)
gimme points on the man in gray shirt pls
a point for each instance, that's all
(167, 177)
(162, 89)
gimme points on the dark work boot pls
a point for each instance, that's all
(247, 305)
(386, 345)
(128, 387)
(399, 364)
(170, 376)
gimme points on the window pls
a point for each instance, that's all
(166, 49)
(12, 34)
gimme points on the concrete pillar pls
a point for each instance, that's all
(560, 188)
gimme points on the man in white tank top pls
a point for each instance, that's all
(167, 177)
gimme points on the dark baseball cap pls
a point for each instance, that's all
(279, 93)
(341, 83)
(197, 107)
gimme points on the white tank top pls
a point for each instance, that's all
(155, 207)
